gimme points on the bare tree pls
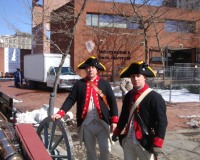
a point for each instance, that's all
(147, 16)
(25, 14)
(63, 25)
(143, 17)
(113, 48)
(70, 33)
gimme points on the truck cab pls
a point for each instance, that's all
(67, 77)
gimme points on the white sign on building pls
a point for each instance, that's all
(11, 59)
(90, 45)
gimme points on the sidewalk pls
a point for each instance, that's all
(178, 145)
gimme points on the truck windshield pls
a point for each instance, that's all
(66, 71)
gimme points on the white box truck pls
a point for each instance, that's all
(42, 68)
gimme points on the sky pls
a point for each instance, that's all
(15, 15)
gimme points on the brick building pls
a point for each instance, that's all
(12, 51)
(104, 31)
(41, 23)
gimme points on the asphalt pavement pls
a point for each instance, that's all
(178, 145)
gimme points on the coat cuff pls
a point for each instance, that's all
(158, 142)
(114, 119)
(61, 112)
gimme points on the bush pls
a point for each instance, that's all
(193, 89)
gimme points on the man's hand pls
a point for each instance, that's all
(158, 152)
(55, 116)
(114, 138)
(112, 127)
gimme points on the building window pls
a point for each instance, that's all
(180, 26)
(114, 21)
(106, 20)
(92, 19)
(119, 22)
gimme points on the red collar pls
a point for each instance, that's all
(137, 93)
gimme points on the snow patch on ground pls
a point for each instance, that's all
(36, 116)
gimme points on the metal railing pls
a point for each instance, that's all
(173, 78)
(188, 90)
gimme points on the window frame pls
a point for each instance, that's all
(111, 21)
(182, 26)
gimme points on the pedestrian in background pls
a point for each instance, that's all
(96, 109)
(18, 78)
(143, 116)
(125, 86)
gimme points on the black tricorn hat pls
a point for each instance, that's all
(92, 61)
(137, 68)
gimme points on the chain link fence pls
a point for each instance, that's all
(183, 77)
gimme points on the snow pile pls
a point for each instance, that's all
(182, 95)
(36, 116)
(16, 101)
(193, 123)
(189, 116)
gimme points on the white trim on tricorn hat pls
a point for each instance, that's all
(92, 61)
(137, 68)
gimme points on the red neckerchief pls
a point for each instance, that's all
(137, 128)
(137, 93)
(89, 90)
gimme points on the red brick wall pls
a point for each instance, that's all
(126, 42)
(84, 33)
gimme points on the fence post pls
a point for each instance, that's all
(157, 84)
(170, 91)
(199, 92)
(114, 77)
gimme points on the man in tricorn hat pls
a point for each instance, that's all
(143, 117)
(96, 109)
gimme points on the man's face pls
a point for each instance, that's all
(138, 80)
(91, 72)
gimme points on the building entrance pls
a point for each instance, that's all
(181, 56)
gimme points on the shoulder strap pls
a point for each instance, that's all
(99, 92)
(138, 102)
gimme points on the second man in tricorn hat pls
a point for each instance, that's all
(143, 116)
(97, 110)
